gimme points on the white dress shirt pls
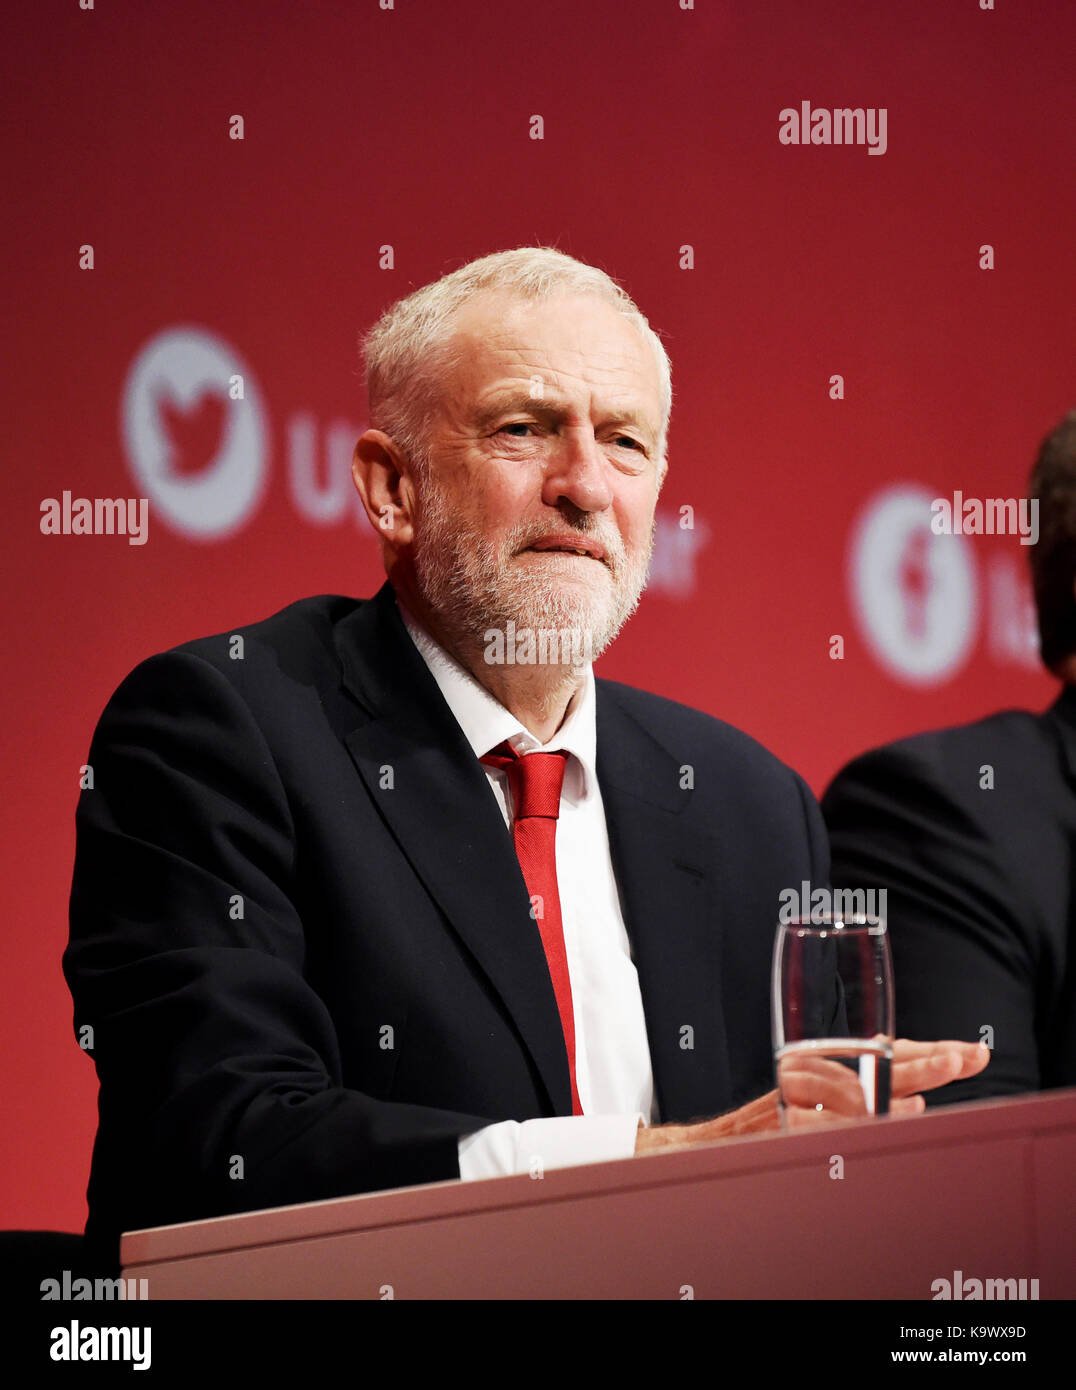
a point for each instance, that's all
(612, 1056)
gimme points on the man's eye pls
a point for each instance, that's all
(516, 428)
(627, 440)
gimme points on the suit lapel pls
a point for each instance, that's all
(447, 823)
(443, 815)
(667, 874)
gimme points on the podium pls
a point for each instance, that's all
(880, 1209)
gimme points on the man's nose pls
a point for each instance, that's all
(578, 471)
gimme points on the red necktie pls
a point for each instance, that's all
(536, 780)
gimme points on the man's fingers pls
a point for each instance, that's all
(819, 1090)
(925, 1073)
(907, 1105)
(807, 1082)
(798, 1118)
(922, 1066)
(974, 1055)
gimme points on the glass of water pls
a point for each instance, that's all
(832, 1017)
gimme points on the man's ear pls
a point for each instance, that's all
(383, 482)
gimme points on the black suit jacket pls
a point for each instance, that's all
(301, 936)
(980, 886)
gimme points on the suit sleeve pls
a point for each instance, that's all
(961, 956)
(219, 1067)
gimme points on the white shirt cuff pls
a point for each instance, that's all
(532, 1146)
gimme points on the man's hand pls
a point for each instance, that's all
(821, 1092)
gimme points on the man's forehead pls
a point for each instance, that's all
(569, 341)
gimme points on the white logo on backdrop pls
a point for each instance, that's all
(913, 592)
(200, 456)
(673, 562)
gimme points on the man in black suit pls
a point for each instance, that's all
(313, 960)
(972, 832)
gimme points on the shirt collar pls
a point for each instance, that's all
(486, 723)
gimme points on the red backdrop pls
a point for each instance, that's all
(411, 128)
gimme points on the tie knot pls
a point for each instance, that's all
(535, 778)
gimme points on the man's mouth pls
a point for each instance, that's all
(569, 545)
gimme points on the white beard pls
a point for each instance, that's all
(473, 584)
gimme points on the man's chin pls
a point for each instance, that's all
(593, 623)
(533, 592)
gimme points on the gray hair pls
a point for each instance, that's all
(410, 341)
